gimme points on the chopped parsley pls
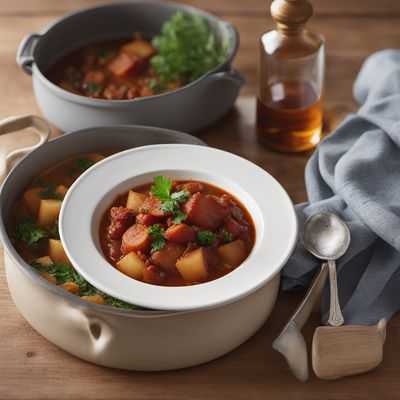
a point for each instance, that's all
(53, 231)
(93, 88)
(27, 231)
(157, 237)
(161, 188)
(49, 192)
(179, 217)
(64, 273)
(186, 48)
(82, 164)
(226, 236)
(205, 238)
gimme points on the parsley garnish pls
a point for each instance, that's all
(53, 231)
(27, 231)
(171, 201)
(49, 192)
(186, 48)
(93, 88)
(205, 238)
(82, 164)
(226, 236)
(157, 237)
(179, 217)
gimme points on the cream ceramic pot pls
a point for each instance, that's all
(137, 340)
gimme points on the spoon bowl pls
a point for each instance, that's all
(326, 236)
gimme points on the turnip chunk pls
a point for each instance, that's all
(57, 253)
(140, 48)
(32, 201)
(233, 253)
(193, 266)
(45, 261)
(132, 265)
(135, 200)
(49, 211)
(61, 190)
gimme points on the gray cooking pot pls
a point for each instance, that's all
(189, 108)
(138, 340)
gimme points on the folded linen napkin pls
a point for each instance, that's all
(355, 173)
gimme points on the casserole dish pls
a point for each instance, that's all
(188, 109)
(128, 339)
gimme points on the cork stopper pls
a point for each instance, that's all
(291, 15)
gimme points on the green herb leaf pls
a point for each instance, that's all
(49, 192)
(27, 231)
(161, 187)
(181, 196)
(82, 164)
(186, 48)
(157, 237)
(205, 238)
(53, 231)
(93, 88)
(168, 206)
(156, 87)
(179, 217)
(226, 236)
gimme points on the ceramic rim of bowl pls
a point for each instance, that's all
(94, 191)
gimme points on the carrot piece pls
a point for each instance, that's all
(121, 65)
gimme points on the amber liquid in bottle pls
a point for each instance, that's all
(290, 117)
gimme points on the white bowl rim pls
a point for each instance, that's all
(276, 222)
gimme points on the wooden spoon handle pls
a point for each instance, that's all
(335, 314)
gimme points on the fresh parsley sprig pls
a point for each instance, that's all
(49, 192)
(161, 188)
(205, 238)
(157, 237)
(27, 231)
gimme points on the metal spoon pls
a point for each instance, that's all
(327, 237)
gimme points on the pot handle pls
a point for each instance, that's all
(26, 51)
(232, 76)
(17, 123)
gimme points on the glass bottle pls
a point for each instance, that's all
(290, 83)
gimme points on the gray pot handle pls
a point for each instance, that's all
(25, 52)
(232, 76)
(14, 124)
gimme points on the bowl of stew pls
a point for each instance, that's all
(147, 63)
(88, 322)
(177, 227)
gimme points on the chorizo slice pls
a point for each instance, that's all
(136, 238)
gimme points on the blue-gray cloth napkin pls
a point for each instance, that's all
(355, 173)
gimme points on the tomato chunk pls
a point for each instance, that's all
(124, 65)
(180, 233)
(136, 238)
(167, 257)
(205, 212)
(152, 205)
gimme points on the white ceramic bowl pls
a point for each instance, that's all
(267, 202)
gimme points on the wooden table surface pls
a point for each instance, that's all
(31, 367)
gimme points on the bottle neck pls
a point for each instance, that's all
(290, 30)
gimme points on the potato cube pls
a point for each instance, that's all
(71, 287)
(61, 190)
(49, 277)
(135, 200)
(193, 266)
(49, 211)
(233, 253)
(96, 298)
(32, 200)
(57, 253)
(132, 265)
(139, 48)
(96, 157)
(45, 261)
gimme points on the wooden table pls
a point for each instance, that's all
(31, 367)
